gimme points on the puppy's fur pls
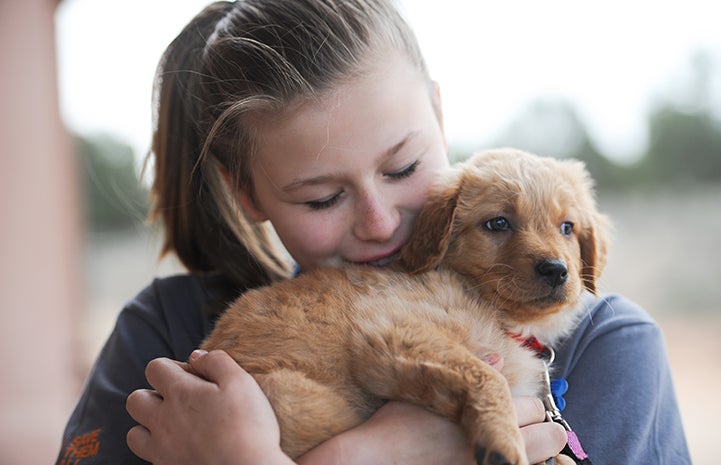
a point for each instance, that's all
(492, 254)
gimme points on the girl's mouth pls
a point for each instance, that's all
(382, 261)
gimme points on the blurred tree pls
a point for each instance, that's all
(684, 145)
(547, 126)
(113, 194)
(683, 148)
(684, 132)
(553, 127)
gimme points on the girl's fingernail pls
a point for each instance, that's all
(198, 353)
(495, 360)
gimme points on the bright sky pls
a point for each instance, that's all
(610, 58)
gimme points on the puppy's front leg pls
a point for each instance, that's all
(426, 368)
(308, 412)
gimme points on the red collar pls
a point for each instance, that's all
(532, 343)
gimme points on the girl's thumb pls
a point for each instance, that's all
(215, 366)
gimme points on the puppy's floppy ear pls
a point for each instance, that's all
(594, 246)
(432, 231)
(594, 238)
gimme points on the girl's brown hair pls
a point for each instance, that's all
(236, 61)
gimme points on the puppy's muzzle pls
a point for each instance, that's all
(553, 272)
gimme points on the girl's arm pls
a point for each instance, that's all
(95, 433)
(621, 400)
(406, 434)
(225, 418)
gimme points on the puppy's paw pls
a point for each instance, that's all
(508, 454)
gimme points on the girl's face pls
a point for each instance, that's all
(343, 180)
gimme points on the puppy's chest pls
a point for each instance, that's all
(434, 301)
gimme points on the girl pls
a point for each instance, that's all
(317, 117)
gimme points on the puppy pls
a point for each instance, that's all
(505, 246)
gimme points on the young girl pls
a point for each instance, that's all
(317, 117)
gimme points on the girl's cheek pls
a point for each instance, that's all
(418, 194)
(313, 238)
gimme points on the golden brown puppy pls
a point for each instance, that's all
(505, 245)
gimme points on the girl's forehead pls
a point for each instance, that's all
(373, 71)
(380, 78)
(366, 115)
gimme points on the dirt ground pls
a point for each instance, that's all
(694, 348)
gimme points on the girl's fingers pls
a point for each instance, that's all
(163, 372)
(543, 440)
(564, 460)
(217, 367)
(138, 439)
(530, 410)
(142, 405)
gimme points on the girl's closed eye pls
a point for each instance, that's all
(405, 172)
(330, 201)
(324, 203)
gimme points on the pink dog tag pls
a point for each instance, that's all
(575, 445)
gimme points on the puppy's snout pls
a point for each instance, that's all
(553, 272)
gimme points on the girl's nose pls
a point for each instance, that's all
(376, 218)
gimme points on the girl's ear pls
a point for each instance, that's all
(245, 199)
(249, 206)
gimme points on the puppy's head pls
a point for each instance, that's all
(523, 230)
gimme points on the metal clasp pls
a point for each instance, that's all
(553, 413)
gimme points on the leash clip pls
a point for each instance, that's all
(553, 413)
(573, 448)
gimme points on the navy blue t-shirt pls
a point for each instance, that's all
(620, 400)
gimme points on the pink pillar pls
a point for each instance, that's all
(40, 241)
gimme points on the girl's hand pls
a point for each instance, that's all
(401, 433)
(209, 411)
(543, 439)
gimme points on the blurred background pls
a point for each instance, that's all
(633, 89)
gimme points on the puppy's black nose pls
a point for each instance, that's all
(553, 272)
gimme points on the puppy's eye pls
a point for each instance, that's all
(567, 228)
(498, 224)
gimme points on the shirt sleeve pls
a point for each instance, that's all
(621, 401)
(164, 320)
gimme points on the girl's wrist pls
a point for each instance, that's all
(326, 453)
(265, 456)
